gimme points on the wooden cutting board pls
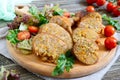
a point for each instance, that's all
(33, 63)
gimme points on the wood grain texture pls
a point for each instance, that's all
(24, 74)
(42, 68)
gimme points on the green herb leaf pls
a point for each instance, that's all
(57, 10)
(36, 13)
(42, 19)
(117, 26)
(111, 21)
(12, 36)
(65, 62)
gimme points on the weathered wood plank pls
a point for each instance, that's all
(114, 72)
(24, 74)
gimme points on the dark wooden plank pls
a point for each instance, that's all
(24, 74)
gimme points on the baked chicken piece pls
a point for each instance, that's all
(94, 15)
(58, 31)
(48, 47)
(79, 33)
(85, 51)
(92, 21)
(51, 41)
(64, 22)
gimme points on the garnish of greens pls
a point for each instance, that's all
(64, 62)
(35, 12)
(12, 36)
(111, 21)
(8, 75)
(57, 10)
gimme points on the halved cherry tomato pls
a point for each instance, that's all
(66, 14)
(110, 43)
(109, 30)
(110, 7)
(23, 35)
(116, 11)
(33, 29)
(91, 1)
(90, 9)
(100, 2)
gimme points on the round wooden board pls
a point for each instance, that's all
(33, 63)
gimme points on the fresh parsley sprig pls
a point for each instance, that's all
(111, 21)
(65, 62)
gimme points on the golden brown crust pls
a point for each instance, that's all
(92, 20)
(92, 24)
(85, 51)
(63, 22)
(48, 47)
(94, 15)
(79, 33)
(56, 30)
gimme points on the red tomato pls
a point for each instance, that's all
(91, 1)
(109, 31)
(110, 7)
(110, 43)
(90, 9)
(100, 2)
(66, 14)
(23, 35)
(116, 11)
(118, 2)
(33, 29)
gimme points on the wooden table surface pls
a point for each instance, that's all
(72, 6)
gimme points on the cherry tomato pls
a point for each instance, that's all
(33, 29)
(91, 1)
(66, 14)
(90, 9)
(110, 43)
(109, 31)
(118, 2)
(23, 35)
(110, 7)
(116, 11)
(100, 2)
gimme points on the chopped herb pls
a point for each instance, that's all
(12, 36)
(65, 62)
(111, 21)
